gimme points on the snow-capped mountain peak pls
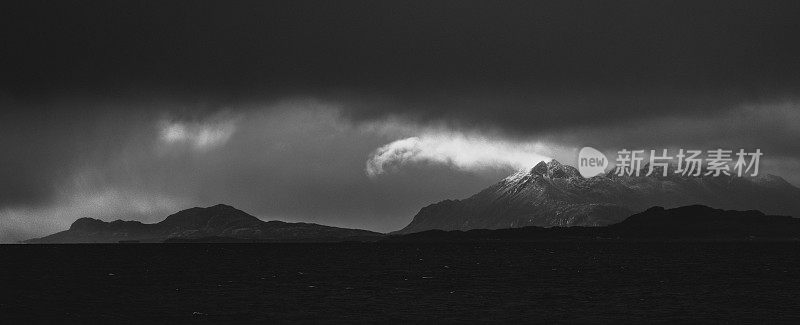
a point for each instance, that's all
(554, 194)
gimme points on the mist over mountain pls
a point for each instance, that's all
(199, 224)
(553, 194)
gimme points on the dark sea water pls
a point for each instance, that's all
(587, 282)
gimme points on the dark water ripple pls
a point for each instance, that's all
(534, 282)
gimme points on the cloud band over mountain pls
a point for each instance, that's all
(468, 153)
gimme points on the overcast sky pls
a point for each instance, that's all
(357, 114)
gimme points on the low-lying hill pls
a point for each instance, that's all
(201, 224)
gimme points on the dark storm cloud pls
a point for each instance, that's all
(622, 50)
(525, 68)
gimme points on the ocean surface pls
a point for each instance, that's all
(588, 282)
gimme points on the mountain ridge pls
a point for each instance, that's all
(695, 222)
(553, 194)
